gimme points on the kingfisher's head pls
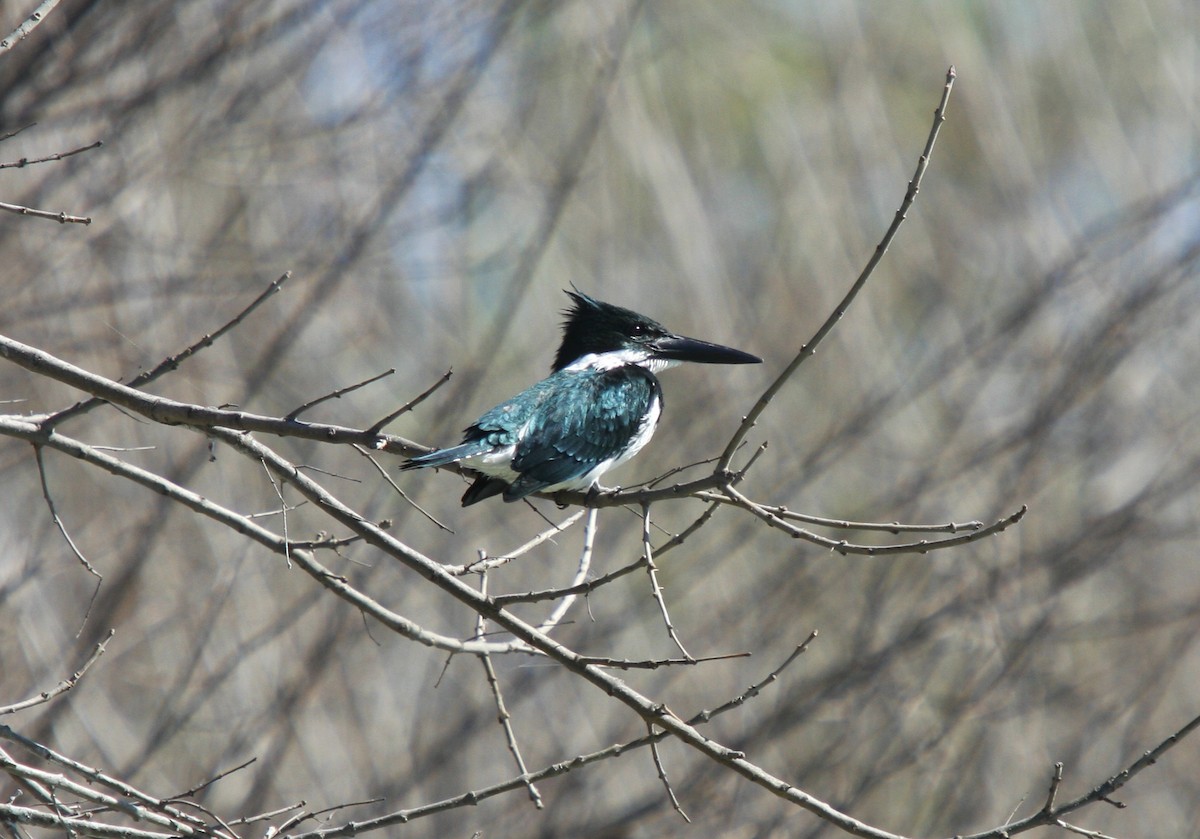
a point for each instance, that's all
(596, 328)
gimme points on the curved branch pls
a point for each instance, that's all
(914, 186)
(772, 517)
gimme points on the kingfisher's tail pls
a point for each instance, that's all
(442, 457)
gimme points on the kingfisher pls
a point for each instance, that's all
(598, 407)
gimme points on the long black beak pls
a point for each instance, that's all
(680, 348)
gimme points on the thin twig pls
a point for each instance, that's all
(145, 808)
(287, 543)
(502, 714)
(329, 474)
(894, 527)
(270, 514)
(591, 585)
(61, 217)
(581, 572)
(1101, 792)
(50, 158)
(487, 563)
(1080, 831)
(756, 688)
(673, 471)
(1055, 782)
(914, 186)
(843, 547)
(338, 394)
(301, 817)
(662, 774)
(63, 686)
(37, 453)
(553, 770)
(655, 588)
(325, 542)
(370, 456)
(259, 817)
(86, 825)
(30, 23)
(211, 816)
(224, 773)
(8, 135)
(172, 362)
(412, 403)
(22, 429)
(654, 664)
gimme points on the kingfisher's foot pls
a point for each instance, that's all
(595, 491)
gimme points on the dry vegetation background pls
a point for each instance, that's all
(434, 174)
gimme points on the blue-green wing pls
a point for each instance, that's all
(587, 417)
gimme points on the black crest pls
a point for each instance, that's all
(593, 326)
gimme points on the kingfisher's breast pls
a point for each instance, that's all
(644, 431)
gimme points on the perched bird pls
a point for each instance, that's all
(596, 409)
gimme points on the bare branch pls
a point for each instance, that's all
(893, 527)
(486, 563)
(338, 394)
(914, 186)
(20, 429)
(63, 686)
(140, 804)
(183, 824)
(283, 510)
(757, 688)
(50, 158)
(529, 636)
(302, 817)
(412, 403)
(843, 547)
(561, 768)
(654, 664)
(225, 773)
(1079, 831)
(383, 473)
(83, 826)
(172, 362)
(58, 523)
(655, 588)
(1050, 814)
(1055, 782)
(581, 572)
(61, 217)
(662, 774)
(170, 412)
(31, 23)
(502, 714)
(259, 817)
(8, 135)
(591, 585)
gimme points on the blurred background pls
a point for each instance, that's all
(434, 175)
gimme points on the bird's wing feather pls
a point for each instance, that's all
(585, 420)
